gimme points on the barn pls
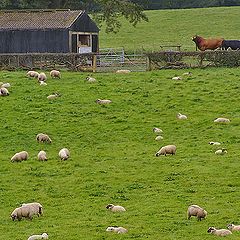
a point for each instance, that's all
(47, 31)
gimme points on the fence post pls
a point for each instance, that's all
(149, 64)
(94, 63)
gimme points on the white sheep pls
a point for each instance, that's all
(53, 96)
(42, 83)
(64, 154)
(42, 77)
(55, 74)
(181, 116)
(158, 138)
(169, 149)
(33, 74)
(187, 74)
(221, 120)
(214, 143)
(116, 208)
(104, 101)
(5, 85)
(116, 229)
(157, 130)
(20, 156)
(4, 91)
(123, 71)
(221, 151)
(42, 137)
(37, 207)
(90, 79)
(219, 232)
(195, 210)
(233, 227)
(42, 156)
(177, 78)
(35, 237)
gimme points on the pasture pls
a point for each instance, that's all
(113, 154)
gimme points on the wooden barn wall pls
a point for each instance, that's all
(34, 41)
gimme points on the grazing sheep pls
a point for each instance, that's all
(177, 78)
(20, 156)
(233, 227)
(157, 130)
(181, 116)
(33, 74)
(55, 74)
(221, 151)
(90, 79)
(115, 208)
(5, 85)
(116, 229)
(104, 101)
(35, 237)
(64, 154)
(42, 156)
(123, 71)
(195, 210)
(37, 207)
(53, 96)
(42, 77)
(4, 91)
(214, 143)
(158, 138)
(42, 137)
(219, 232)
(169, 149)
(221, 120)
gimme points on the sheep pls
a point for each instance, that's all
(42, 137)
(214, 143)
(53, 96)
(20, 156)
(221, 120)
(117, 229)
(157, 130)
(55, 74)
(35, 237)
(181, 116)
(169, 149)
(104, 101)
(115, 208)
(158, 138)
(123, 71)
(42, 83)
(37, 207)
(233, 227)
(221, 151)
(187, 74)
(5, 85)
(4, 91)
(33, 74)
(64, 154)
(177, 78)
(219, 232)
(42, 156)
(195, 210)
(90, 79)
(42, 77)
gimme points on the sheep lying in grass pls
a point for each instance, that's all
(53, 96)
(116, 208)
(169, 149)
(90, 79)
(4, 91)
(221, 120)
(195, 210)
(5, 85)
(177, 78)
(42, 77)
(214, 143)
(157, 130)
(181, 116)
(123, 71)
(32, 74)
(233, 227)
(55, 74)
(64, 154)
(20, 156)
(219, 232)
(42, 156)
(158, 138)
(42, 83)
(35, 237)
(187, 74)
(117, 229)
(104, 101)
(42, 137)
(221, 151)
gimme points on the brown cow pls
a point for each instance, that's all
(204, 44)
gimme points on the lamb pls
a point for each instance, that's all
(37, 207)
(157, 130)
(90, 79)
(117, 229)
(123, 71)
(55, 74)
(5, 85)
(115, 208)
(104, 101)
(187, 74)
(42, 156)
(181, 116)
(221, 120)
(64, 154)
(42, 137)
(53, 96)
(177, 78)
(221, 151)
(214, 143)
(35, 237)
(20, 156)
(42, 77)
(233, 227)
(219, 232)
(33, 74)
(195, 210)
(42, 83)
(4, 91)
(158, 138)
(169, 149)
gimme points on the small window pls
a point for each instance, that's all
(84, 40)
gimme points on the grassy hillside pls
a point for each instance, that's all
(113, 154)
(173, 27)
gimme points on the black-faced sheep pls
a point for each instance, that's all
(4, 91)
(169, 149)
(195, 210)
(221, 151)
(42, 77)
(116, 208)
(42, 137)
(91, 79)
(233, 227)
(219, 232)
(157, 130)
(20, 156)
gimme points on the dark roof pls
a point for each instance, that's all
(38, 19)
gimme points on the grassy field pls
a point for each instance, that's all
(175, 27)
(113, 154)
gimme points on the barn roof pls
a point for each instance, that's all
(38, 19)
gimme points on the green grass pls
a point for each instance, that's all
(113, 154)
(175, 27)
